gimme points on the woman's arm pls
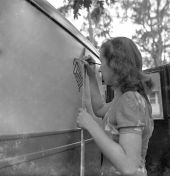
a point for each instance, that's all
(125, 155)
(98, 104)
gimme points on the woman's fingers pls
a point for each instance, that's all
(80, 110)
(90, 60)
(82, 118)
(90, 65)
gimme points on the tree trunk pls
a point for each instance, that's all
(91, 33)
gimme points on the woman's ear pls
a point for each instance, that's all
(111, 64)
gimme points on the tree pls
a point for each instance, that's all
(153, 34)
(98, 23)
(97, 17)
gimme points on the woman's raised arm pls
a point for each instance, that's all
(100, 107)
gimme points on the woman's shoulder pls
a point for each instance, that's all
(131, 95)
(130, 111)
(132, 99)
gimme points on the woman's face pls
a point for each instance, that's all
(107, 73)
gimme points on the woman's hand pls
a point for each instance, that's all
(90, 66)
(84, 119)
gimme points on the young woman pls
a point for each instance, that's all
(128, 124)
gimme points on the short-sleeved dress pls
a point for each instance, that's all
(129, 114)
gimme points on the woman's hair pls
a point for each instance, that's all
(124, 58)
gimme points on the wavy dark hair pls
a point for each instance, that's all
(124, 58)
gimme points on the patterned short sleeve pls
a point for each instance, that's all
(130, 113)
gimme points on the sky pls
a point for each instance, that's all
(125, 29)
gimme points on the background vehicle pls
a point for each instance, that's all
(159, 144)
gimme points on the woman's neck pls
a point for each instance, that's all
(117, 93)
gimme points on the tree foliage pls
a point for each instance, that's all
(151, 16)
(153, 34)
(79, 4)
(98, 23)
(97, 17)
